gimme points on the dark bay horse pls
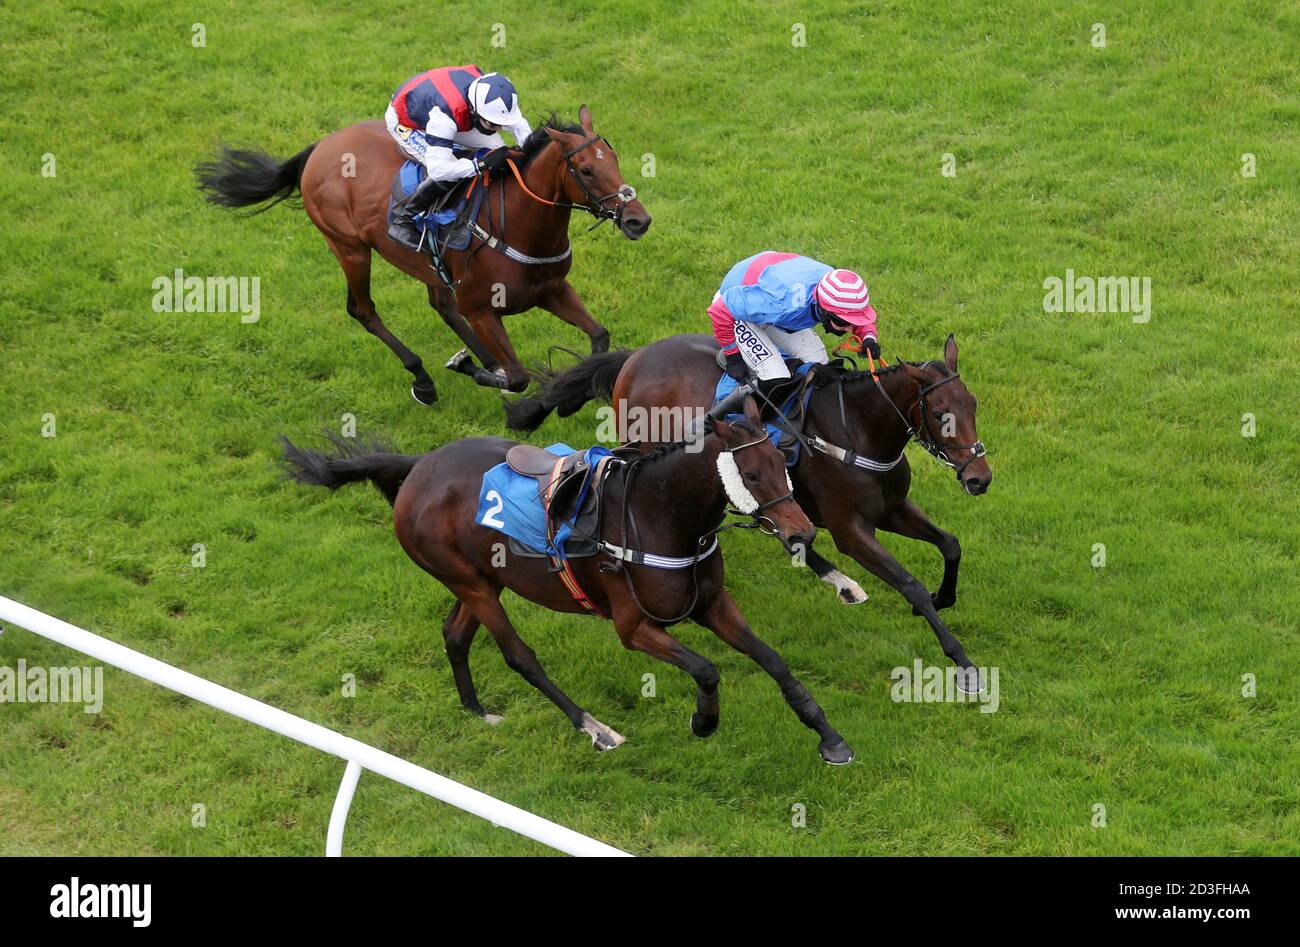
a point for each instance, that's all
(672, 497)
(345, 181)
(852, 475)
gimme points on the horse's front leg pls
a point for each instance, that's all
(723, 617)
(566, 304)
(639, 633)
(443, 301)
(487, 325)
(856, 539)
(910, 521)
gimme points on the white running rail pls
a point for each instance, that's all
(358, 755)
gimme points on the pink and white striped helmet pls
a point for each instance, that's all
(843, 293)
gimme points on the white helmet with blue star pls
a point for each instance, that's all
(493, 99)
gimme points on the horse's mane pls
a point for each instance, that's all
(850, 375)
(538, 140)
(663, 450)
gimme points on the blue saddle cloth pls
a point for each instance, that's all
(409, 176)
(727, 384)
(510, 503)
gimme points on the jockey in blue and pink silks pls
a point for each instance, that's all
(768, 305)
(452, 106)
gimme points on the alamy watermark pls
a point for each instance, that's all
(920, 684)
(53, 685)
(181, 293)
(1127, 294)
(626, 424)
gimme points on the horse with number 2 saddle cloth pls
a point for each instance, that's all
(547, 502)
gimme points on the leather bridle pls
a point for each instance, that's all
(625, 194)
(938, 449)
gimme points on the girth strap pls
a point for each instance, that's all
(852, 458)
(560, 563)
(637, 557)
(502, 247)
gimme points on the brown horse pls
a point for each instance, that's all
(669, 502)
(346, 180)
(851, 477)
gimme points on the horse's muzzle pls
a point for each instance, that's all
(634, 226)
(799, 543)
(977, 485)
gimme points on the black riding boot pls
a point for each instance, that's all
(403, 228)
(768, 409)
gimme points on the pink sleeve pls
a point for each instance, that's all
(867, 331)
(724, 325)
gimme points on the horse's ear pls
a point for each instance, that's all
(584, 119)
(552, 133)
(950, 352)
(751, 412)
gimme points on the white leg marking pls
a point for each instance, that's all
(850, 592)
(602, 737)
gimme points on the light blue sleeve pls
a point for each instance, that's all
(753, 304)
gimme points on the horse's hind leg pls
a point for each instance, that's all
(355, 260)
(568, 305)
(909, 520)
(725, 620)
(458, 634)
(521, 658)
(640, 634)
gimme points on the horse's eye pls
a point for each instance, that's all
(751, 477)
(587, 172)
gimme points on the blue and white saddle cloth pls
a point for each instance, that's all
(509, 502)
(409, 177)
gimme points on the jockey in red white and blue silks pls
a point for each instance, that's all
(454, 105)
(441, 108)
(769, 303)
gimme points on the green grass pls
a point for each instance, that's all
(1119, 686)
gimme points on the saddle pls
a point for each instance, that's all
(792, 396)
(447, 223)
(570, 490)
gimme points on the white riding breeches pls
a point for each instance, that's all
(761, 347)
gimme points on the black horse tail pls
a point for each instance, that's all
(569, 390)
(351, 460)
(239, 178)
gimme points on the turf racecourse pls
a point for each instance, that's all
(1121, 686)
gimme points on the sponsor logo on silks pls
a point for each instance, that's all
(749, 340)
(403, 132)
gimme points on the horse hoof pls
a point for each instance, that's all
(855, 596)
(837, 754)
(493, 719)
(427, 396)
(704, 725)
(602, 737)
(461, 362)
(969, 681)
(846, 590)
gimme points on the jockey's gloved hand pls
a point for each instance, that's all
(494, 160)
(737, 368)
(869, 344)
